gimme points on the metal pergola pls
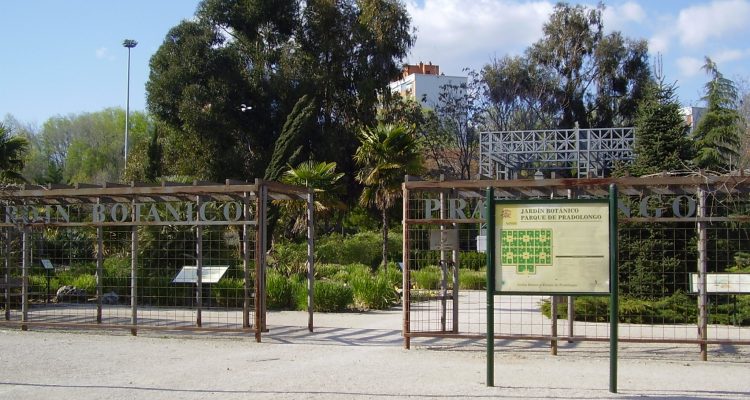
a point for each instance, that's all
(34, 206)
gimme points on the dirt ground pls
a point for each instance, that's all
(349, 356)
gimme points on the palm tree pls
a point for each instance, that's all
(12, 156)
(323, 179)
(386, 154)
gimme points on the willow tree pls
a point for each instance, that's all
(385, 155)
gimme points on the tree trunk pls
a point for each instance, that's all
(385, 239)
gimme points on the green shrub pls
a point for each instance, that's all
(356, 268)
(85, 282)
(329, 296)
(393, 275)
(678, 308)
(85, 268)
(116, 275)
(472, 260)
(472, 280)
(323, 271)
(372, 292)
(363, 248)
(229, 292)
(289, 258)
(278, 291)
(426, 278)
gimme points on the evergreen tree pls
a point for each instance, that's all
(717, 136)
(661, 142)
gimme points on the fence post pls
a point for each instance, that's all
(702, 269)
(25, 278)
(99, 268)
(245, 265)
(7, 240)
(443, 263)
(405, 277)
(310, 259)
(133, 273)
(259, 252)
(553, 330)
(198, 264)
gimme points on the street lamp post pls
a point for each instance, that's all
(129, 43)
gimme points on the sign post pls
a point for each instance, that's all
(552, 247)
(48, 268)
(490, 203)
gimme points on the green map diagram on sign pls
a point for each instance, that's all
(526, 249)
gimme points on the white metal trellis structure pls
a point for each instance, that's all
(590, 152)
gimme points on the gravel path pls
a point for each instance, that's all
(350, 356)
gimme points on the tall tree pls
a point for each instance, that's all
(661, 142)
(718, 134)
(290, 144)
(12, 154)
(458, 118)
(589, 77)
(269, 54)
(86, 147)
(386, 154)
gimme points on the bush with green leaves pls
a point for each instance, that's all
(279, 294)
(372, 292)
(472, 260)
(116, 276)
(229, 292)
(472, 280)
(329, 296)
(363, 247)
(289, 258)
(678, 308)
(426, 278)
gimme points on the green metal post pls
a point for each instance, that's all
(613, 282)
(490, 243)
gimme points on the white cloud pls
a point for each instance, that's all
(466, 33)
(725, 56)
(689, 66)
(619, 18)
(659, 43)
(698, 24)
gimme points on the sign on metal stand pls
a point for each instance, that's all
(552, 247)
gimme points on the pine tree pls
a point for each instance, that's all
(661, 142)
(717, 136)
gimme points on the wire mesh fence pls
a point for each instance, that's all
(666, 232)
(147, 258)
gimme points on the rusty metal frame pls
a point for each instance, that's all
(260, 191)
(660, 184)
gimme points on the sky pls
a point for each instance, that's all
(62, 57)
